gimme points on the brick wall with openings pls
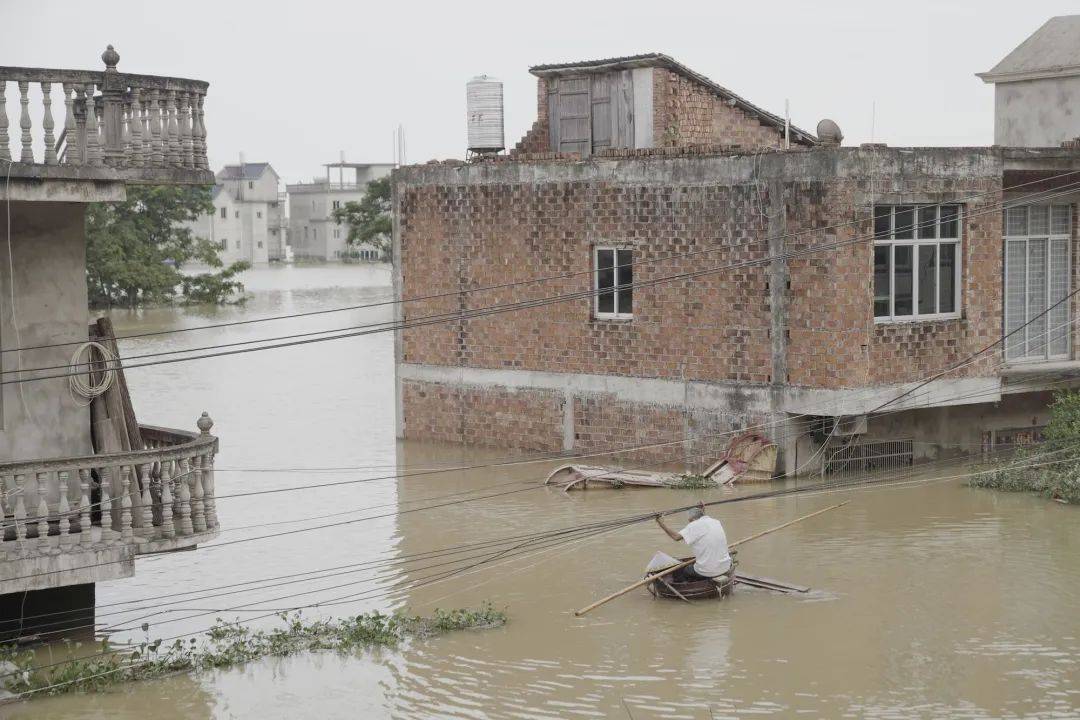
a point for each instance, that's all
(685, 113)
(507, 224)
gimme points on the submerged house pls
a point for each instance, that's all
(84, 488)
(708, 267)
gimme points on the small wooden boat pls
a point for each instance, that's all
(569, 477)
(675, 587)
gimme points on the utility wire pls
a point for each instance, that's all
(531, 281)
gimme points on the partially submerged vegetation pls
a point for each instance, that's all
(1050, 469)
(231, 644)
(692, 481)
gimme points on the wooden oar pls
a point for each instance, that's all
(683, 564)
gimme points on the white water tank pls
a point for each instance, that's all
(484, 103)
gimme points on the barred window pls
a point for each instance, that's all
(613, 278)
(916, 262)
(1037, 240)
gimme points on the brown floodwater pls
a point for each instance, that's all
(929, 599)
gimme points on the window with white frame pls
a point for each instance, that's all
(1037, 239)
(224, 213)
(916, 262)
(337, 204)
(613, 281)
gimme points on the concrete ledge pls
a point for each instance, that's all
(66, 567)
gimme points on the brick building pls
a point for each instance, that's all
(775, 278)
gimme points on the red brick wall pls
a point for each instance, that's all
(687, 113)
(538, 138)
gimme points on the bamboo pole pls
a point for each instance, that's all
(673, 568)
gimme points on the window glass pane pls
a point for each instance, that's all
(947, 278)
(881, 281)
(1039, 220)
(1058, 317)
(1015, 298)
(1061, 220)
(882, 215)
(626, 277)
(927, 279)
(927, 225)
(1016, 221)
(1036, 305)
(950, 225)
(605, 279)
(904, 223)
(902, 276)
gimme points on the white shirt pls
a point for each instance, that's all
(706, 537)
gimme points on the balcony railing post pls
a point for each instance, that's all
(47, 123)
(200, 134)
(136, 129)
(167, 528)
(187, 141)
(112, 93)
(127, 535)
(156, 107)
(63, 509)
(20, 512)
(42, 513)
(25, 124)
(85, 521)
(5, 150)
(93, 139)
(71, 129)
(198, 510)
(183, 493)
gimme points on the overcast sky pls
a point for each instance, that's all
(296, 83)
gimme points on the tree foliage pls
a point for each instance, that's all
(1051, 468)
(369, 220)
(136, 250)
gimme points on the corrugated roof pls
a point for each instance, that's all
(247, 171)
(1051, 51)
(665, 61)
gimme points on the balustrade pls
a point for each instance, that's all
(159, 497)
(116, 125)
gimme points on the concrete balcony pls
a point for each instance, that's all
(78, 520)
(117, 127)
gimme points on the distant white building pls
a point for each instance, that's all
(248, 222)
(1037, 87)
(313, 233)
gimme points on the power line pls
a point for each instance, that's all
(460, 315)
(531, 281)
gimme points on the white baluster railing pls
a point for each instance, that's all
(142, 128)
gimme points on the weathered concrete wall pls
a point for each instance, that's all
(41, 419)
(1037, 113)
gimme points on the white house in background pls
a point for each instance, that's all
(313, 233)
(248, 221)
(1037, 87)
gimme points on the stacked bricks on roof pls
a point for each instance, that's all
(686, 113)
(463, 228)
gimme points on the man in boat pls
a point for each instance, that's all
(706, 537)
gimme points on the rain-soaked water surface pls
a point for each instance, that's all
(929, 600)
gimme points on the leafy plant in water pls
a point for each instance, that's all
(1060, 480)
(692, 481)
(230, 644)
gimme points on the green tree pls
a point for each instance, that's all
(369, 220)
(136, 250)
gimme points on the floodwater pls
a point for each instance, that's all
(928, 600)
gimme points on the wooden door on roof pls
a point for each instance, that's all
(590, 113)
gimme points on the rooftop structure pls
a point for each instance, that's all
(1037, 87)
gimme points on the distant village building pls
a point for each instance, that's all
(85, 488)
(720, 269)
(1037, 87)
(248, 222)
(313, 232)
